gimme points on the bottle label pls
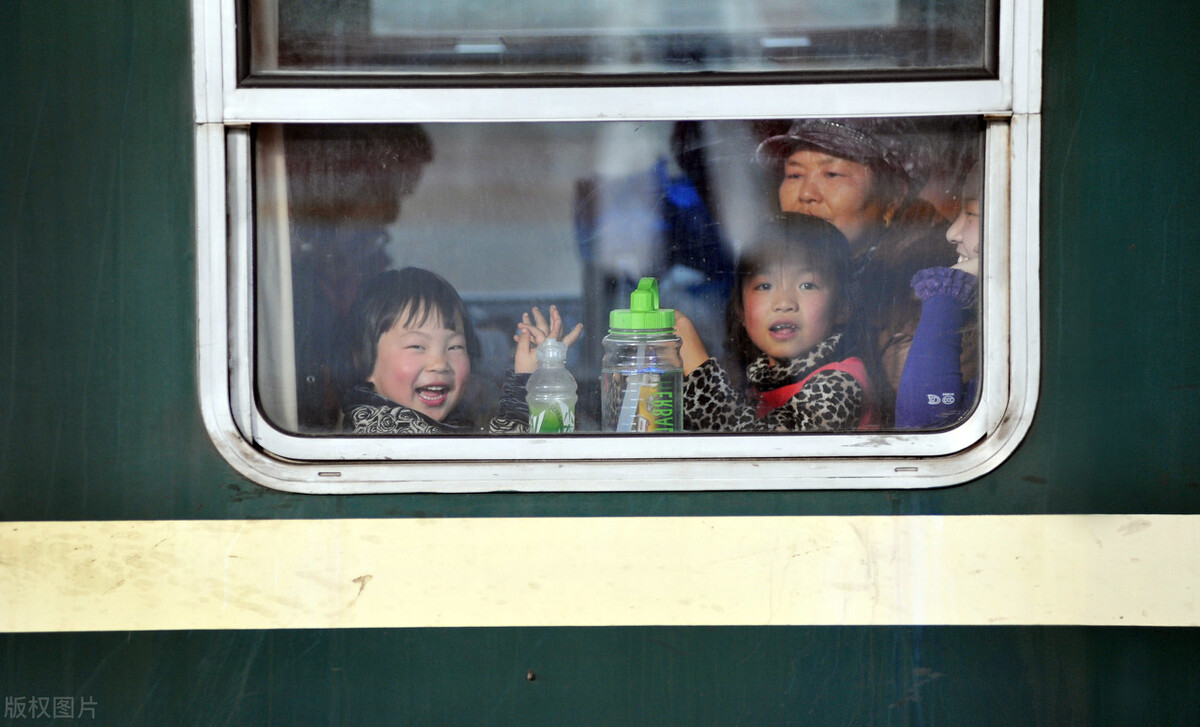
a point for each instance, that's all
(551, 417)
(649, 403)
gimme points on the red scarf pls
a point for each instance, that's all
(768, 401)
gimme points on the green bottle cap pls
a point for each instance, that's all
(643, 313)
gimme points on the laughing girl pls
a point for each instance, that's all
(411, 348)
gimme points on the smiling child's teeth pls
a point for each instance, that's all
(432, 391)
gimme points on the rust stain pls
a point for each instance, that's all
(362, 582)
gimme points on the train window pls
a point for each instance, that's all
(846, 233)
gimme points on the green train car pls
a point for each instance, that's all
(184, 542)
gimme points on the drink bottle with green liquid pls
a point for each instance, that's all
(550, 391)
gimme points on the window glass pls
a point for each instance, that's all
(574, 215)
(464, 37)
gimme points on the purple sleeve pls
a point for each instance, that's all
(931, 391)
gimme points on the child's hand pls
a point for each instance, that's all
(692, 351)
(535, 329)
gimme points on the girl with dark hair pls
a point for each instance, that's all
(410, 348)
(798, 349)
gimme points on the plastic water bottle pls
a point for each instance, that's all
(550, 391)
(641, 377)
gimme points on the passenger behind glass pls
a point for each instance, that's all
(858, 175)
(792, 329)
(345, 186)
(940, 380)
(411, 345)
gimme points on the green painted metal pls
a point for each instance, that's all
(100, 421)
(1052, 677)
(99, 395)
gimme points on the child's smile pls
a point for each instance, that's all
(433, 396)
(423, 367)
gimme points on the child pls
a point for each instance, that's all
(411, 347)
(791, 329)
(939, 380)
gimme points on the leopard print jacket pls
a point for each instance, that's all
(831, 400)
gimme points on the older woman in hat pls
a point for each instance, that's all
(855, 174)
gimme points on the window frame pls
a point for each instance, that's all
(225, 111)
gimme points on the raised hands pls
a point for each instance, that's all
(535, 328)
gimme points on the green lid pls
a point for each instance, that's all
(643, 313)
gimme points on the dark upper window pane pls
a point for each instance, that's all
(620, 37)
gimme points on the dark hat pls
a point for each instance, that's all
(866, 141)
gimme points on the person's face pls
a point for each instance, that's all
(964, 233)
(787, 310)
(424, 367)
(836, 190)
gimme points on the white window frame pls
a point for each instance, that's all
(687, 461)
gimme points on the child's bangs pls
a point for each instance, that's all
(419, 312)
(815, 255)
(427, 297)
(774, 253)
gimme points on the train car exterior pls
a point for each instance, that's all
(146, 580)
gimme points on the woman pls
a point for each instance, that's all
(854, 173)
